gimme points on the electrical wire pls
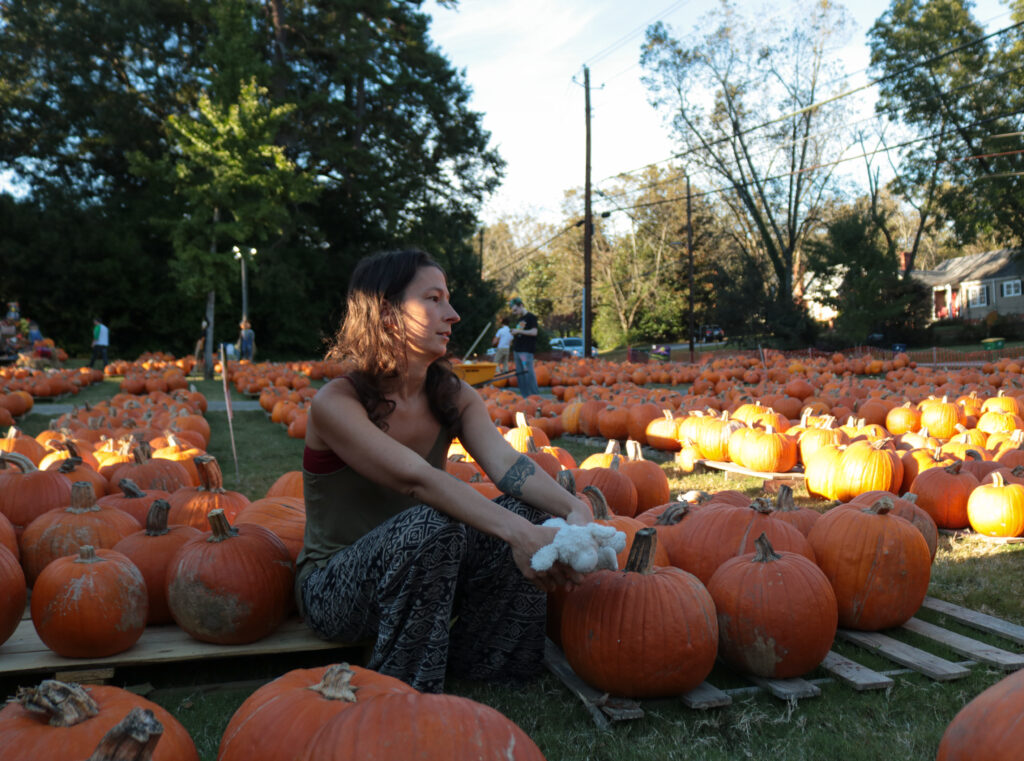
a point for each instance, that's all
(834, 98)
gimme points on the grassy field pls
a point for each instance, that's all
(903, 722)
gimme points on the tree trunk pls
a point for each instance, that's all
(211, 300)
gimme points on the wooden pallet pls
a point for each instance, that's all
(840, 669)
(966, 533)
(24, 652)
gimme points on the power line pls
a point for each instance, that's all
(606, 51)
(866, 154)
(834, 98)
(968, 86)
(522, 258)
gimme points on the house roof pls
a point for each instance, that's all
(1004, 262)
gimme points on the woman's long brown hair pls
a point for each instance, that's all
(371, 338)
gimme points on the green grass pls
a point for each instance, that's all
(903, 722)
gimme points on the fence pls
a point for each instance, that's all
(936, 355)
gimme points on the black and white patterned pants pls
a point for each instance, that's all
(403, 583)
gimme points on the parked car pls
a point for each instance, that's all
(571, 345)
(709, 334)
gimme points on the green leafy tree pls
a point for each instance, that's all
(749, 104)
(860, 279)
(959, 93)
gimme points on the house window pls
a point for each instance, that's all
(1011, 288)
(977, 296)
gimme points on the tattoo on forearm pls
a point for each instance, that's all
(513, 480)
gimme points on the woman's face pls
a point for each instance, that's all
(428, 314)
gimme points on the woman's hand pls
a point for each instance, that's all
(580, 515)
(523, 549)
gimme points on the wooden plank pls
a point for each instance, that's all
(786, 689)
(706, 695)
(731, 467)
(86, 676)
(158, 644)
(923, 662)
(602, 708)
(981, 621)
(978, 651)
(853, 674)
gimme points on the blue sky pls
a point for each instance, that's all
(524, 59)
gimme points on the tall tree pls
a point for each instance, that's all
(749, 105)
(957, 91)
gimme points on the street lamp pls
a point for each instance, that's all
(240, 257)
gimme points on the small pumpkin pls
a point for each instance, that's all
(90, 605)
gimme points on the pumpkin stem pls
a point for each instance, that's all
(672, 514)
(997, 478)
(761, 505)
(882, 506)
(221, 529)
(598, 503)
(634, 451)
(156, 518)
(641, 554)
(87, 554)
(68, 465)
(134, 738)
(210, 476)
(613, 447)
(954, 467)
(24, 464)
(567, 481)
(83, 498)
(910, 497)
(784, 500)
(337, 683)
(130, 488)
(66, 703)
(764, 552)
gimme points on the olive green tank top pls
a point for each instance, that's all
(342, 506)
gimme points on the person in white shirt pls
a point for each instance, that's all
(100, 342)
(502, 343)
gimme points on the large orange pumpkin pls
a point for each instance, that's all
(878, 563)
(777, 613)
(90, 605)
(989, 727)
(230, 585)
(57, 721)
(645, 631)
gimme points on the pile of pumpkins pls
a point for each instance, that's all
(331, 713)
(123, 498)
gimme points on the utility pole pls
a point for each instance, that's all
(480, 264)
(588, 226)
(689, 252)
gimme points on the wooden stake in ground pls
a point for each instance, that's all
(227, 405)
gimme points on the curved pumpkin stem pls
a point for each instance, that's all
(134, 738)
(882, 506)
(598, 503)
(764, 552)
(761, 505)
(65, 703)
(337, 683)
(566, 480)
(694, 497)
(672, 514)
(641, 554)
(24, 464)
(130, 488)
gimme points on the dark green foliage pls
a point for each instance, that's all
(350, 99)
(858, 276)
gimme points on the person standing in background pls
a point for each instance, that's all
(524, 343)
(100, 341)
(502, 343)
(246, 341)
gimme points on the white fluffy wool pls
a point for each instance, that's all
(584, 548)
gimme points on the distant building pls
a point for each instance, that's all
(969, 287)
